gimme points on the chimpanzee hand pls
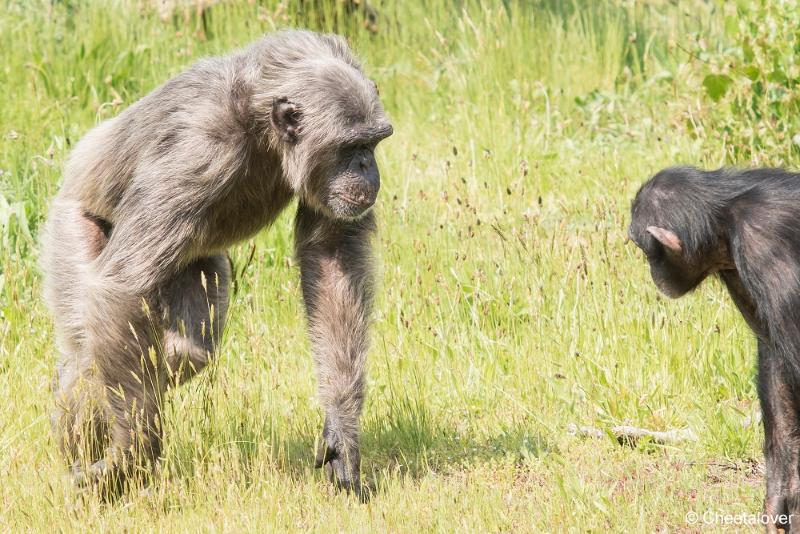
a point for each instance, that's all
(341, 461)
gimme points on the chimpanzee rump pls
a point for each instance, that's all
(745, 227)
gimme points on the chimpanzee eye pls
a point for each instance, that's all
(359, 147)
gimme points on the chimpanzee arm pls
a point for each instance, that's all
(336, 272)
(767, 259)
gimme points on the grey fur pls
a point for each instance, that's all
(134, 248)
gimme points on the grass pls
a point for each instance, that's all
(509, 307)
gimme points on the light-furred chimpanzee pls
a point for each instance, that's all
(744, 226)
(136, 273)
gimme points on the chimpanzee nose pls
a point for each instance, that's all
(364, 165)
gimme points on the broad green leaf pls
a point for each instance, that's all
(777, 76)
(752, 72)
(717, 85)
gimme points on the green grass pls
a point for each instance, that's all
(510, 304)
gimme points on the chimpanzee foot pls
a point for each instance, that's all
(782, 512)
(111, 475)
(95, 473)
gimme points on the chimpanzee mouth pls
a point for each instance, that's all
(361, 201)
(349, 207)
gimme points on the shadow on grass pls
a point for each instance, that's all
(409, 447)
(405, 444)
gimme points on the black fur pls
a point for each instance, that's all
(743, 226)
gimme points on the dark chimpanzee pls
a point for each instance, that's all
(743, 226)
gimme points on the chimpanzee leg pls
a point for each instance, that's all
(195, 301)
(779, 405)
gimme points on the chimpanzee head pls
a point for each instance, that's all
(328, 130)
(673, 222)
(672, 272)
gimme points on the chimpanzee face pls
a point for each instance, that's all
(349, 186)
(673, 273)
(331, 148)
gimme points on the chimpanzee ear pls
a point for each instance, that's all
(285, 119)
(667, 238)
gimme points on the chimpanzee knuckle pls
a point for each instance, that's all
(344, 474)
(330, 472)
